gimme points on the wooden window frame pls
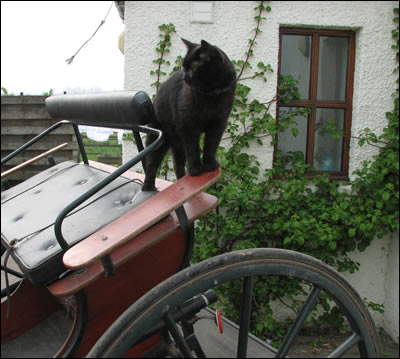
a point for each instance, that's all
(342, 175)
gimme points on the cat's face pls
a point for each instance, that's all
(206, 66)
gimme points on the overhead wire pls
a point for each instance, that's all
(71, 59)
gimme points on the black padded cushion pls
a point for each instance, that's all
(29, 210)
(119, 109)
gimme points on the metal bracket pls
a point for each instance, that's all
(51, 161)
(108, 265)
(183, 218)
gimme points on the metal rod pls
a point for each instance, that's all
(183, 311)
(245, 311)
(294, 330)
(12, 271)
(345, 346)
(11, 288)
(179, 340)
(80, 144)
(139, 145)
(182, 218)
(108, 265)
(189, 244)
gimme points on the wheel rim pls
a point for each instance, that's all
(179, 289)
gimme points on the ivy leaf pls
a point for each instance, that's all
(287, 241)
(295, 131)
(352, 232)
(344, 205)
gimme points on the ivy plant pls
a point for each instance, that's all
(278, 208)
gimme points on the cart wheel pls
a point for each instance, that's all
(248, 265)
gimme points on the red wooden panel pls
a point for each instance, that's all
(29, 306)
(109, 297)
(195, 208)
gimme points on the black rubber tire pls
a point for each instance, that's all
(150, 308)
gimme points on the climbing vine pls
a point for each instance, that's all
(162, 49)
(281, 209)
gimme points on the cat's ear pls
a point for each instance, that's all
(205, 45)
(207, 48)
(189, 45)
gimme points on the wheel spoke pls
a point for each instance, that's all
(245, 311)
(345, 346)
(298, 323)
(179, 340)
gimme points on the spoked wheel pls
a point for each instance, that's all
(247, 265)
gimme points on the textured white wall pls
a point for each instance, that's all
(232, 27)
(391, 316)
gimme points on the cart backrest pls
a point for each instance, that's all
(120, 109)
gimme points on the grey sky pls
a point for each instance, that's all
(38, 36)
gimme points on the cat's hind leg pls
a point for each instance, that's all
(179, 158)
(153, 163)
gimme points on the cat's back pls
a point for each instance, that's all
(170, 88)
(166, 105)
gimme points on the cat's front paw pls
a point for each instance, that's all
(196, 170)
(148, 188)
(210, 166)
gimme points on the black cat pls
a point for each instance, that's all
(195, 100)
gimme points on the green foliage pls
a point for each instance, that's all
(109, 148)
(4, 92)
(162, 49)
(48, 93)
(278, 208)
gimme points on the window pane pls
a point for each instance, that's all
(327, 149)
(296, 61)
(332, 68)
(289, 144)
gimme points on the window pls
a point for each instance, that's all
(202, 12)
(322, 61)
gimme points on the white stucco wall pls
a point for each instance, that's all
(391, 316)
(232, 27)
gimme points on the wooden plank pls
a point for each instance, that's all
(32, 160)
(14, 142)
(32, 122)
(138, 220)
(18, 100)
(25, 112)
(33, 130)
(197, 207)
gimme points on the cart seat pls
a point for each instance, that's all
(30, 209)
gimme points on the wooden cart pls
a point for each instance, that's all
(102, 268)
